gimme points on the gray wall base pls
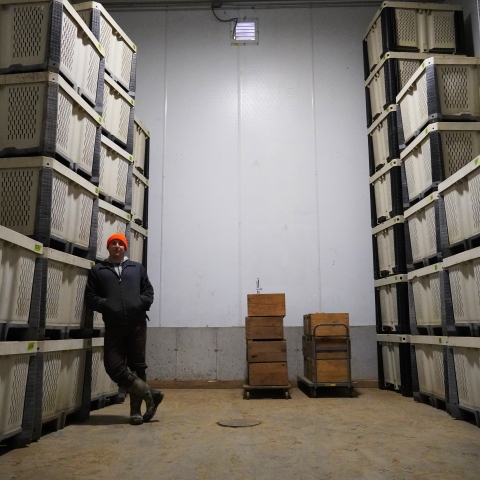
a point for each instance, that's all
(219, 353)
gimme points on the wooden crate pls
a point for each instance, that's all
(266, 305)
(266, 351)
(264, 328)
(307, 346)
(264, 374)
(328, 371)
(312, 319)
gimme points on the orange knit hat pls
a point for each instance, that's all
(118, 236)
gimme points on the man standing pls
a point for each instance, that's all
(120, 290)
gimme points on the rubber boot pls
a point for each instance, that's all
(142, 390)
(135, 410)
(157, 400)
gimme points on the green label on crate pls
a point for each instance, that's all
(132, 102)
(423, 65)
(96, 191)
(426, 130)
(131, 158)
(38, 248)
(92, 264)
(100, 119)
(31, 346)
(134, 46)
(431, 197)
(476, 161)
(99, 46)
(439, 340)
(436, 267)
(129, 216)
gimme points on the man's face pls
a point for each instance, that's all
(116, 249)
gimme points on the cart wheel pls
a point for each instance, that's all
(287, 395)
(313, 392)
(246, 395)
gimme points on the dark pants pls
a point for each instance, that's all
(124, 351)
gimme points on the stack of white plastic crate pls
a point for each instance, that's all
(399, 38)
(51, 158)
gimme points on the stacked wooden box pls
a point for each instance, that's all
(330, 365)
(266, 347)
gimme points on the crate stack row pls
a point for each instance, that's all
(434, 127)
(52, 157)
(265, 342)
(326, 351)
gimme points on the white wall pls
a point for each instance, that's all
(259, 164)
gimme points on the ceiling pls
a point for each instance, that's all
(122, 5)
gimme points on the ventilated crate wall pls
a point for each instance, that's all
(391, 364)
(383, 140)
(41, 35)
(14, 370)
(402, 26)
(120, 51)
(65, 279)
(388, 79)
(39, 197)
(391, 304)
(464, 275)
(441, 89)
(101, 382)
(461, 194)
(63, 376)
(430, 355)
(113, 171)
(110, 220)
(466, 369)
(437, 153)
(40, 114)
(18, 255)
(118, 114)
(387, 193)
(428, 291)
(389, 248)
(141, 147)
(139, 198)
(138, 241)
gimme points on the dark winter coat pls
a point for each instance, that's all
(123, 299)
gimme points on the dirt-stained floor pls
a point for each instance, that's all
(376, 435)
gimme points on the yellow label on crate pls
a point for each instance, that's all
(330, 384)
(31, 346)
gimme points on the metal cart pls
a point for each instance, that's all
(313, 385)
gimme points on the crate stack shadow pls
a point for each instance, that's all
(266, 346)
(57, 158)
(423, 146)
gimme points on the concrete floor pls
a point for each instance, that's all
(377, 435)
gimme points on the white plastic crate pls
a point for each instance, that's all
(441, 89)
(102, 384)
(389, 300)
(391, 357)
(141, 139)
(422, 27)
(138, 237)
(438, 152)
(429, 354)
(389, 77)
(63, 376)
(98, 321)
(65, 289)
(17, 267)
(387, 250)
(41, 114)
(386, 206)
(464, 274)
(69, 195)
(113, 170)
(120, 51)
(461, 194)
(427, 294)
(383, 137)
(422, 228)
(118, 113)
(466, 354)
(110, 220)
(139, 191)
(40, 35)
(14, 364)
